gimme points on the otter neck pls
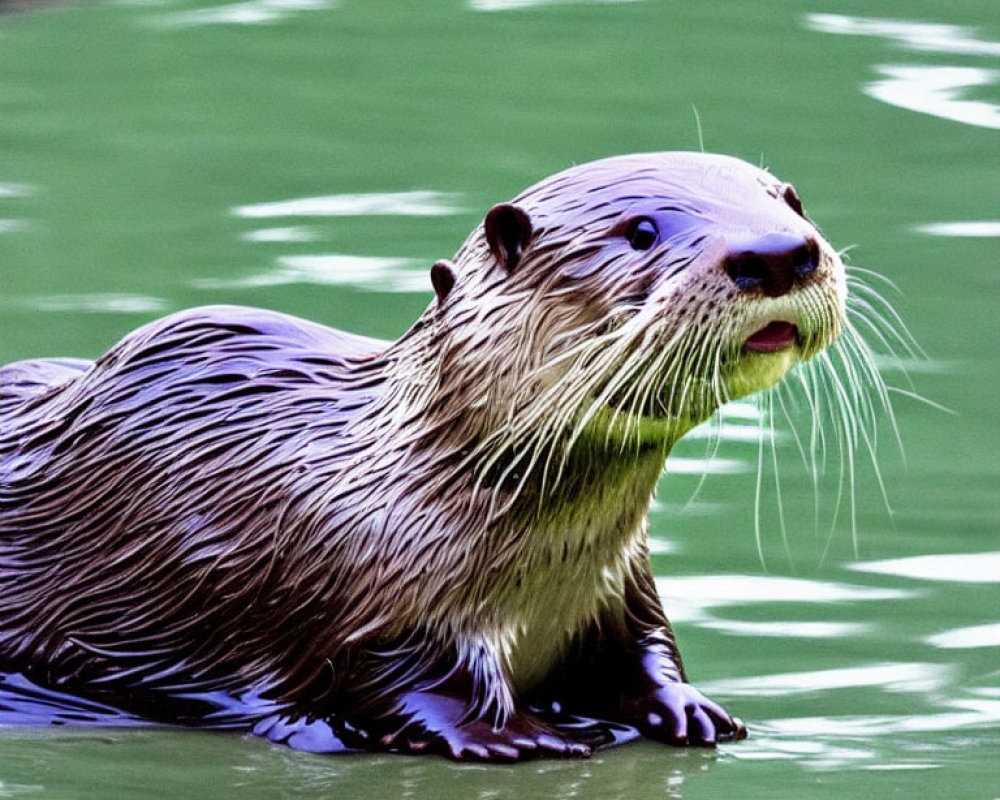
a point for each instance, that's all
(588, 451)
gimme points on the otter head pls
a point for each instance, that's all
(640, 291)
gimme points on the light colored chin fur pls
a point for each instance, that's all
(756, 371)
(610, 428)
(752, 373)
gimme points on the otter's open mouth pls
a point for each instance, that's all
(776, 335)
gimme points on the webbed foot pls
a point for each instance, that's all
(434, 722)
(679, 714)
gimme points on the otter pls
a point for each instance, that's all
(239, 519)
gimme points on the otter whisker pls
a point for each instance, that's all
(892, 322)
(777, 485)
(869, 432)
(758, 486)
(854, 349)
(784, 395)
(881, 325)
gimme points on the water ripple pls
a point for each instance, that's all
(892, 676)
(110, 303)
(510, 5)
(295, 233)
(974, 713)
(987, 228)
(952, 567)
(421, 203)
(730, 433)
(937, 91)
(16, 190)
(366, 272)
(253, 12)
(678, 465)
(965, 638)
(688, 598)
(800, 630)
(13, 225)
(926, 37)
(928, 89)
(831, 742)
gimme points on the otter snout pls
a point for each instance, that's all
(772, 263)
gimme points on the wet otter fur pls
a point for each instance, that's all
(236, 518)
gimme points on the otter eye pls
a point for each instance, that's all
(791, 197)
(643, 234)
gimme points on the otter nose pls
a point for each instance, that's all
(772, 263)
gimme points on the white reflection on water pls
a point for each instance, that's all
(740, 410)
(729, 433)
(937, 91)
(291, 234)
(95, 303)
(679, 465)
(893, 677)
(720, 429)
(374, 273)
(366, 272)
(12, 191)
(987, 228)
(838, 741)
(952, 567)
(973, 713)
(801, 630)
(928, 89)
(421, 203)
(508, 5)
(659, 547)
(13, 225)
(692, 508)
(924, 36)
(688, 599)
(974, 636)
(253, 12)
(16, 190)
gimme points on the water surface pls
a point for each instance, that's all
(316, 157)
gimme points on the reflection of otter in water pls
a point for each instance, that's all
(235, 517)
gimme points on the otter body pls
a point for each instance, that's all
(236, 518)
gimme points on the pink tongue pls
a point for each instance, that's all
(773, 336)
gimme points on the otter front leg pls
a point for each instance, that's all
(464, 710)
(655, 696)
(662, 705)
(435, 720)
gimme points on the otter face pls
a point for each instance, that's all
(657, 287)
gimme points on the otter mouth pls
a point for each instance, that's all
(773, 337)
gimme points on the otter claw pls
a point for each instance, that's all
(738, 733)
(679, 714)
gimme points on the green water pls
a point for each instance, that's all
(150, 154)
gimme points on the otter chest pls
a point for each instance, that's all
(559, 596)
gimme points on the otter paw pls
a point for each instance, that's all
(679, 714)
(519, 739)
(434, 724)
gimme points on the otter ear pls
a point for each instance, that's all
(508, 231)
(442, 278)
